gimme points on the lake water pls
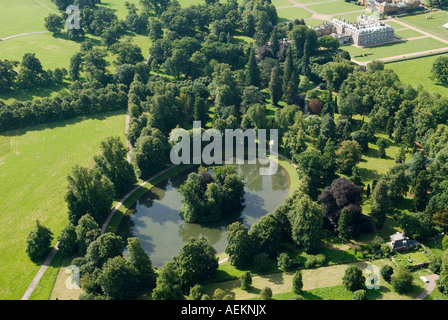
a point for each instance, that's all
(155, 218)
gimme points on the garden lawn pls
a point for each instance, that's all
(118, 7)
(280, 3)
(52, 51)
(396, 48)
(287, 14)
(417, 71)
(23, 16)
(34, 164)
(335, 7)
(407, 33)
(434, 25)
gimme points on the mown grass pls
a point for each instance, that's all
(335, 7)
(433, 25)
(416, 72)
(34, 164)
(395, 49)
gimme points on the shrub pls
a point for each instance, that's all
(297, 282)
(246, 281)
(228, 297)
(218, 294)
(359, 295)
(284, 262)
(205, 297)
(266, 293)
(196, 292)
(386, 272)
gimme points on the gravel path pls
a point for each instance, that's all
(429, 287)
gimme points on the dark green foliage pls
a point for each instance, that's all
(196, 262)
(246, 280)
(353, 279)
(275, 86)
(387, 272)
(67, 240)
(344, 225)
(240, 245)
(168, 283)
(297, 282)
(118, 279)
(359, 295)
(88, 192)
(140, 261)
(252, 71)
(402, 280)
(87, 231)
(112, 163)
(38, 242)
(266, 293)
(284, 262)
(267, 233)
(222, 193)
(106, 246)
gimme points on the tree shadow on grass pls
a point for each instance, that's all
(310, 296)
(276, 278)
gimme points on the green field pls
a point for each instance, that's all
(23, 16)
(282, 3)
(34, 164)
(416, 72)
(292, 13)
(395, 49)
(407, 33)
(434, 25)
(335, 7)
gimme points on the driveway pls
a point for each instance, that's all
(429, 287)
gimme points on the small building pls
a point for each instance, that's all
(399, 242)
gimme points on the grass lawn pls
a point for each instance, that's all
(52, 51)
(434, 25)
(335, 7)
(118, 6)
(34, 165)
(417, 71)
(282, 3)
(322, 283)
(407, 33)
(287, 14)
(395, 49)
(22, 16)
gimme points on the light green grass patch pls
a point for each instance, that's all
(22, 16)
(282, 3)
(287, 14)
(434, 25)
(417, 72)
(52, 51)
(398, 48)
(34, 164)
(408, 33)
(335, 7)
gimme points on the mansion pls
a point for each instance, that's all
(386, 6)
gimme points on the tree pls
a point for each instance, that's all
(381, 203)
(87, 231)
(196, 261)
(118, 279)
(266, 233)
(420, 189)
(151, 153)
(196, 292)
(348, 155)
(112, 163)
(240, 245)
(155, 29)
(54, 23)
(344, 225)
(246, 280)
(290, 77)
(38, 242)
(386, 272)
(266, 293)
(306, 224)
(416, 225)
(67, 240)
(140, 261)
(75, 66)
(439, 71)
(402, 280)
(88, 192)
(297, 283)
(168, 283)
(7, 74)
(275, 86)
(353, 279)
(252, 71)
(106, 246)
(156, 6)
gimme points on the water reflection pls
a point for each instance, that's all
(155, 218)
